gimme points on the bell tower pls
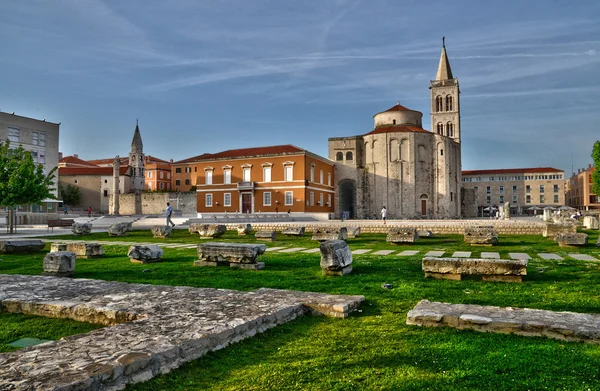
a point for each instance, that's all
(445, 100)
(136, 162)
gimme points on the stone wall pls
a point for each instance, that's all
(469, 202)
(156, 203)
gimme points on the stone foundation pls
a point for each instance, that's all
(21, 246)
(481, 236)
(236, 255)
(490, 269)
(402, 235)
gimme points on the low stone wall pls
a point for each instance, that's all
(440, 227)
(156, 203)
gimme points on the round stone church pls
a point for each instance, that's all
(413, 172)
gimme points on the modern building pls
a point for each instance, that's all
(413, 172)
(273, 179)
(579, 190)
(524, 188)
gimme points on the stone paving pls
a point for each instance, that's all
(435, 254)
(521, 256)
(358, 252)
(383, 252)
(548, 256)
(490, 255)
(569, 326)
(311, 250)
(151, 329)
(407, 253)
(292, 250)
(461, 254)
(582, 257)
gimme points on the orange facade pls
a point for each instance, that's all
(260, 183)
(158, 174)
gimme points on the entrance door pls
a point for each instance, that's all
(246, 203)
(423, 207)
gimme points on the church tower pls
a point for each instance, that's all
(136, 162)
(445, 100)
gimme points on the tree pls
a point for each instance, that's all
(71, 195)
(22, 181)
(596, 173)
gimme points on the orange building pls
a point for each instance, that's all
(158, 174)
(579, 190)
(274, 179)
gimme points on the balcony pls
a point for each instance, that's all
(245, 186)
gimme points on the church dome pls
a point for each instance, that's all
(398, 115)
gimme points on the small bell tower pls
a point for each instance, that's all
(445, 100)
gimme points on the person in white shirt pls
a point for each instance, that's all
(384, 214)
(168, 213)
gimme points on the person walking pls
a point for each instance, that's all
(89, 210)
(168, 213)
(384, 215)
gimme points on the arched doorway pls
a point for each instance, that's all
(347, 198)
(424, 205)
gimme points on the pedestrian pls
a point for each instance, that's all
(384, 215)
(66, 210)
(89, 210)
(168, 213)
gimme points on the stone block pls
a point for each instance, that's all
(590, 222)
(268, 236)
(353, 232)
(330, 233)
(81, 228)
(336, 258)
(57, 246)
(21, 246)
(402, 235)
(493, 269)
(571, 239)
(551, 230)
(59, 264)
(211, 231)
(481, 236)
(230, 252)
(119, 229)
(294, 231)
(161, 231)
(193, 228)
(425, 234)
(244, 229)
(145, 253)
(86, 250)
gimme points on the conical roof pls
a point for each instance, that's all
(444, 71)
(137, 137)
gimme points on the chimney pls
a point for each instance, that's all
(171, 160)
(60, 156)
(589, 166)
(76, 155)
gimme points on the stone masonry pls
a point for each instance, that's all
(490, 269)
(152, 329)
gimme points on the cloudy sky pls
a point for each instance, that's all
(205, 76)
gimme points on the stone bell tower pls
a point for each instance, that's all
(445, 100)
(136, 162)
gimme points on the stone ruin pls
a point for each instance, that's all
(571, 239)
(21, 246)
(148, 253)
(81, 250)
(244, 229)
(402, 235)
(294, 231)
(211, 231)
(59, 264)
(504, 270)
(336, 258)
(242, 256)
(161, 231)
(120, 229)
(267, 236)
(330, 233)
(353, 232)
(590, 222)
(81, 228)
(551, 230)
(425, 234)
(481, 236)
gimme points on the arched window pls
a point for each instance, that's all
(439, 104)
(440, 129)
(450, 129)
(349, 156)
(339, 156)
(394, 122)
(448, 103)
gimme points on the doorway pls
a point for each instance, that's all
(347, 198)
(424, 205)
(246, 203)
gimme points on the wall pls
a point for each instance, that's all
(468, 200)
(156, 203)
(89, 186)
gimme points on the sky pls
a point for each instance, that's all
(206, 76)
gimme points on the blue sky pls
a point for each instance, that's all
(205, 76)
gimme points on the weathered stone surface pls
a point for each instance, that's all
(81, 228)
(294, 231)
(490, 269)
(59, 246)
(86, 250)
(193, 228)
(211, 230)
(161, 231)
(566, 326)
(425, 234)
(152, 329)
(145, 253)
(551, 230)
(571, 239)
(336, 258)
(330, 233)
(244, 229)
(402, 235)
(481, 236)
(59, 264)
(21, 246)
(590, 222)
(226, 253)
(119, 229)
(353, 232)
(268, 236)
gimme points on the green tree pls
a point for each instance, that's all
(22, 181)
(71, 195)
(596, 173)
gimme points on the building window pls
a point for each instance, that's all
(246, 175)
(501, 199)
(227, 177)
(209, 177)
(556, 198)
(13, 135)
(168, 174)
(488, 200)
(208, 200)
(187, 181)
(339, 156)
(227, 199)
(35, 136)
(289, 173)
(267, 174)
(439, 104)
(501, 189)
(188, 169)
(312, 172)
(440, 129)
(527, 189)
(312, 198)
(321, 176)
(289, 198)
(488, 189)
(556, 188)
(514, 189)
(542, 199)
(514, 199)
(105, 193)
(168, 186)
(42, 142)
(328, 179)
(448, 103)
(350, 156)
(267, 198)
(162, 175)
(162, 185)
(149, 174)
(450, 129)
(328, 199)
(541, 188)
(321, 199)
(178, 170)
(177, 182)
(76, 181)
(195, 169)
(441, 152)
(528, 199)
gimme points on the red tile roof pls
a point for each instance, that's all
(70, 171)
(245, 152)
(123, 160)
(512, 171)
(152, 159)
(192, 159)
(397, 128)
(397, 107)
(72, 160)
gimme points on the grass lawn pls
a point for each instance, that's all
(373, 349)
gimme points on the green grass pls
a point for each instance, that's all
(373, 349)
